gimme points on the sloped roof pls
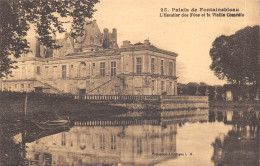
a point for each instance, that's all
(92, 36)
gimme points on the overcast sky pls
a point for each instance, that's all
(191, 38)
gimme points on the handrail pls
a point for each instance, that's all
(100, 85)
(39, 79)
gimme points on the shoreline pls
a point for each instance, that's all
(235, 104)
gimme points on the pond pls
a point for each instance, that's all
(186, 137)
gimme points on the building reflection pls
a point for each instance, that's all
(241, 144)
(121, 141)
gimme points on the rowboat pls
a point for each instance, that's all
(60, 122)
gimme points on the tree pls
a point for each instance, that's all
(191, 89)
(202, 90)
(17, 16)
(236, 57)
(220, 93)
(211, 91)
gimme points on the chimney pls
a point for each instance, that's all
(146, 42)
(114, 34)
(106, 42)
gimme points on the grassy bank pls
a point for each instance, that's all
(235, 104)
(42, 105)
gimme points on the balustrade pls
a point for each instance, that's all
(140, 98)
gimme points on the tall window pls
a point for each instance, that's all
(102, 69)
(139, 146)
(162, 144)
(162, 72)
(138, 65)
(153, 86)
(82, 70)
(162, 86)
(55, 72)
(171, 142)
(171, 88)
(63, 139)
(152, 65)
(71, 70)
(93, 69)
(63, 71)
(102, 141)
(113, 142)
(46, 72)
(113, 69)
(152, 145)
(170, 68)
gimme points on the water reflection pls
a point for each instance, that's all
(241, 144)
(140, 138)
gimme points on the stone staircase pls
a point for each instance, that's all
(102, 86)
(51, 85)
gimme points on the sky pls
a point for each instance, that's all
(191, 38)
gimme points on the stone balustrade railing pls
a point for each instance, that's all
(118, 97)
(138, 97)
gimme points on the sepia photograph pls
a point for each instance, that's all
(129, 82)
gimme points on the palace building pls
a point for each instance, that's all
(94, 64)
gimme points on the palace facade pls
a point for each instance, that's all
(94, 64)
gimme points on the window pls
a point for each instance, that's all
(63, 139)
(152, 146)
(102, 141)
(162, 144)
(38, 69)
(139, 146)
(171, 88)
(29, 86)
(170, 68)
(152, 65)
(162, 72)
(153, 86)
(113, 142)
(63, 71)
(162, 86)
(55, 72)
(93, 69)
(15, 86)
(71, 70)
(171, 142)
(82, 70)
(138, 65)
(113, 69)
(22, 85)
(102, 69)
(46, 71)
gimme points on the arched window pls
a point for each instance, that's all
(82, 70)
